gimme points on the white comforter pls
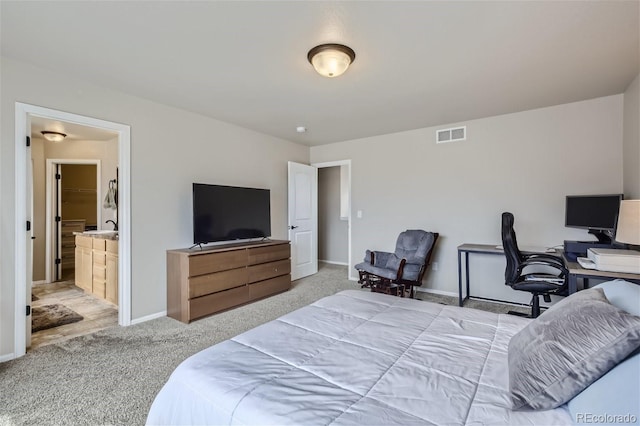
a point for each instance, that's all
(355, 358)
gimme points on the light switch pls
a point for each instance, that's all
(359, 214)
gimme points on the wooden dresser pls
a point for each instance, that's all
(203, 282)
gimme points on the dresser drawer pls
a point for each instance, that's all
(265, 271)
(215, 302)
(269, 287)
(215, 262)
(267, 254)
(218, 281)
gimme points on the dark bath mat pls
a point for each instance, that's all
(49, 316)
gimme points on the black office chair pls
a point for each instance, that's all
(537, 283)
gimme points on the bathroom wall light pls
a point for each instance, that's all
(331, 60)
(53, 136)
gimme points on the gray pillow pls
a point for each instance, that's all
(568, 347)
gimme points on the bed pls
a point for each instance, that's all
(356, 358)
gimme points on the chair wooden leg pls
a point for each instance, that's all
(364, 279)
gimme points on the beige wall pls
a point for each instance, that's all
(333, 241)
(170, 149)
(525, 162)
(105, 151)
(631, 147)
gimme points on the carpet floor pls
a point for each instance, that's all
(112, 376)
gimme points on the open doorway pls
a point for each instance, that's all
(116, 254)
(73, 188)
(74, 210)
(69, 179)
(303, 212)
(334, 213)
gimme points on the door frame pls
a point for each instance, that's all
(50, 224)
(23, 112)
(348, 164)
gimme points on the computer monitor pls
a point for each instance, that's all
(597, 213)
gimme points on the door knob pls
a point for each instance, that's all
(292, 227)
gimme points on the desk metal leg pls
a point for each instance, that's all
(459, 278)
(466, 264)
(573, 284)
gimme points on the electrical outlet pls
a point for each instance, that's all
(359, 214)
(434, 266)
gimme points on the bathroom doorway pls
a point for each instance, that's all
(27, 118)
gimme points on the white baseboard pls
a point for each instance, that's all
(149, 317)
(331, 262)
(434, 291)
(38, 282)
(8, 357)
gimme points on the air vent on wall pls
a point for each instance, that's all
(451, 135)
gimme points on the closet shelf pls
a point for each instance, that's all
(78, 190)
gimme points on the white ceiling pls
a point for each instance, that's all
(418, 64)
(74, 132)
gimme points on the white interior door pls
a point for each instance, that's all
(303, 219)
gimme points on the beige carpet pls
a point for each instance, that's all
(112, 376)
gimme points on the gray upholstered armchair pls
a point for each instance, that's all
(405, 266)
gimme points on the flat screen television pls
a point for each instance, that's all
(597, 213)
(226, 213)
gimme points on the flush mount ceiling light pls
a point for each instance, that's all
(53, 136)
(331, 60)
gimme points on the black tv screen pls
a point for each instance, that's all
(225, 213)
(598, 212)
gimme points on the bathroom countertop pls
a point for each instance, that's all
(110, 235)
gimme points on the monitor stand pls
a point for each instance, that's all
(602, 236)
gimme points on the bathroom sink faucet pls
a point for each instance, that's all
(115, 224)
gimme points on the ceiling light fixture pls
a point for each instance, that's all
(53, 136)
(331, 60)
